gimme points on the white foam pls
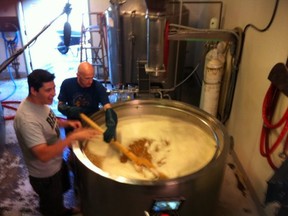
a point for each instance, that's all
(189, 149)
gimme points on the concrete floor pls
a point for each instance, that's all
(18, 198)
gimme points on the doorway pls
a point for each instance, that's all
(44, 52)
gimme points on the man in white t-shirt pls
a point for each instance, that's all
(37, 131)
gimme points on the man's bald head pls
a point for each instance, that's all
(85, 74)
(85, 68)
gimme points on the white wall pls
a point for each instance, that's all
(260, 53)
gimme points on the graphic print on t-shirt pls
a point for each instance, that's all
(52, 121)
(81, 101)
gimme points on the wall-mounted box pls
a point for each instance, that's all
(9, 24)
(8, 15)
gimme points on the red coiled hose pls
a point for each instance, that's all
(5, 105)
(269, 105)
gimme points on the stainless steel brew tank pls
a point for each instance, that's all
(105, 195)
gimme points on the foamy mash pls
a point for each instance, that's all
(175, 147)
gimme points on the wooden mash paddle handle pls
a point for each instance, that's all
(124, 150)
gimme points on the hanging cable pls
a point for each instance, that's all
(268, 25)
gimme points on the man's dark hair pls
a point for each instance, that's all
(38, 77)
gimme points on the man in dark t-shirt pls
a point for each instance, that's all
(84, 94)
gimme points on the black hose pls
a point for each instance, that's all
(269, 24)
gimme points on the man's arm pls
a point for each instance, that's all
(69, 123)
(69, 111)
(111, 120)
(107, 106)
(46, 152)
(63, 107)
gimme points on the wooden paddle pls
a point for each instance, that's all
(137, 160)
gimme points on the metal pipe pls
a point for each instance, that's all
(156, 22)
(180, 32)
(178, 46)
(155, 43)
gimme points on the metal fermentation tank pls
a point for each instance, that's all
(127, 43)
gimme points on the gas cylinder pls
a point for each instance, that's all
(211, 85)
